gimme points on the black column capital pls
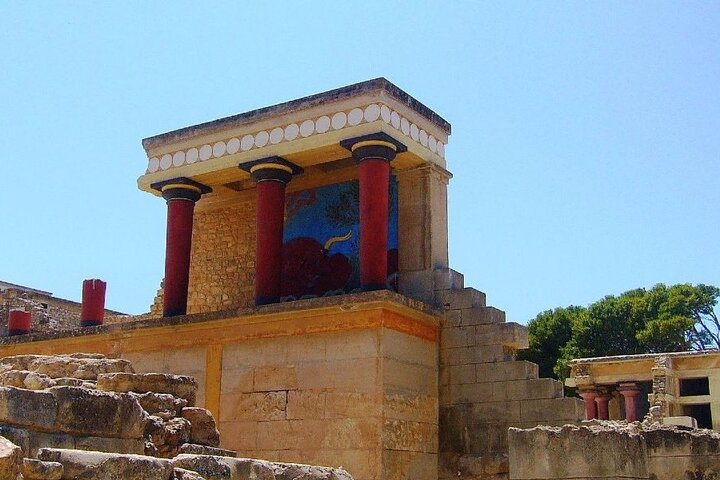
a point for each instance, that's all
(181, 188)
(375, 145)
(275, 169)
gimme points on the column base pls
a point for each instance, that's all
(174, 313)
(13, 331)
(90, 323)
(374, 286)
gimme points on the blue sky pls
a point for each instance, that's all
(585, 146)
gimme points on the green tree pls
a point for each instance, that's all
(663, 319)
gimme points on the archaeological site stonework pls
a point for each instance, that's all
(307, 315)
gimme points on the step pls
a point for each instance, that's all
(448, 279)
(510, 334)
(460, 299)
(481, 316)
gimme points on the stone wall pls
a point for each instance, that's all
(614, 450)
(483, 389)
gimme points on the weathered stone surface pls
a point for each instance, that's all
(10, 459)
(167, 436)
(296, 471)
(36, 409)
(25, 379)
(101, 414)
(225, 468)
(182, 474)
(38, 470)
(178, 385)
(82, 465)
(195, 449)
(111, 445)
(202, 426)
(81, 366)
(160, 403)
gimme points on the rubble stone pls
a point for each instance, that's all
(81, 366)
(178, 385)
(38, 470)
(10, 459)
(202, 426)
(224, 468)
(195, 449)
(155, 403)
(85, 465)
(182, 474)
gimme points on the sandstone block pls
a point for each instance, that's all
(305, 404)
(95, 413)
(225, 468)
(195, 449)
(459, 374)
(78, 464)
(178, 385)
(552, 410)
(457, 337)
(154, 403)
(36, 409)
(274, 378)
(202, 426)
(38, 440)
(103, 444)
(460, 299)
(81, 366)
(513, 370)
(510, 334)
(25, 379)
(481, 316)
(182, 474)
(474, 355)
(18, 436)
(38, 470)
(448, 279)
(261, 406)
(534, 389)
(10, 459)
(295, 471)
(410, 436)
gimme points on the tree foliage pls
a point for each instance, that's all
(664, 319)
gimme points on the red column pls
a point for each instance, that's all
(19, 322)
(181, 195)
(93, 303)
(373, 153)
(271, 176)
(630, 391)
(588, 397)
(602, 405)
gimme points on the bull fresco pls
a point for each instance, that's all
(321, 242)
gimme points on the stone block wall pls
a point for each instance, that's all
(614, 450)
(483, 389)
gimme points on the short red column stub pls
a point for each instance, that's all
(630, 392)
(19, 322)
(602, 401)
(588, 397)
(93, 302)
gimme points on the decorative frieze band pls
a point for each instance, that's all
(288, 133)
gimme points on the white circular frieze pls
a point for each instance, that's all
(405, 126)
(219, 149)
(423, 138)
(372, 112)
(395, 120)
(276, 135)
(192, 155)
(414, 132)
(292, 131)
(166, 161)
(153, 165)
(385, 113)
(178, 158)
(339, 120)
(247, 143)
(205, 152)
(355, 116)
(233, 146)
(307, 128)
(261, 139)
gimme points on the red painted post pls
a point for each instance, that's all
(588, 397)
(271, 175)
(19, 322)
(374, 153)
(630, 391)
(181, 195)
(602, 406)
(269, 240)
(374, 176)
(93, 303)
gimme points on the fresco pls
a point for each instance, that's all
(321, 242)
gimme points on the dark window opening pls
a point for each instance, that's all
(701, 413)
(694, 386)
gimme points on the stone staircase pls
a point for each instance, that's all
(483, 389)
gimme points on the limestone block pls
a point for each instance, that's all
(107, 466)
(417, 284)
(103, 444)
(225, 468)
(269, 378)
(412, 377)
(239, 435)
(453, 465)
(182, 474)
(457, 337)
(408, 348)
(474, 355)
(38, 440)
(306, 404)
(350, 345)
(10, 459)
(513, 370)
(195, 449)
(552, 410)
(510, 334)
(261, 406)
(25, 379)
(18, 436)
(202, 426)
(154, 403)
(481, 316)
(448, 279)
(359, 375)
(459, 374)
(682, 453)
(532, 389)
(96, 413)
(401, 465)
(468, 393)
(401, 405)
(168, 435)
(291, 434)
(460, 299)
(38, 470)
(178, 385)
(80, 366)
(575, 452)
(351, 433)
(410, 436)
(348, 405)
(36, 409)
(295, 471)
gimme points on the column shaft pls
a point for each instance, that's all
(269, 239)
(19, 322)
(602, 406)
(93, 303)
(374, 176)
(590, 406)
(630, 392)
(177, 256)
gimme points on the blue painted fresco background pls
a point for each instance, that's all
(317, 215)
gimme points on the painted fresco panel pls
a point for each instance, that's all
(321, 243)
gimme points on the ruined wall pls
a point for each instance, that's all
(483, 390)
(613, 450)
